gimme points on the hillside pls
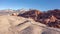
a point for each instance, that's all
(30, 22)
(20, 25)
(50, 18)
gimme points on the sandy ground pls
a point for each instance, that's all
(20, 25)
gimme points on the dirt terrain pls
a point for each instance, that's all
(20, 25)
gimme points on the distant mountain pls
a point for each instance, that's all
(10, 11)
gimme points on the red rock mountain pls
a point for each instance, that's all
(31, 14)
(51, 18)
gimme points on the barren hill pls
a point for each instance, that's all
(20, 25)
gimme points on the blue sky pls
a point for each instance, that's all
(35, 4)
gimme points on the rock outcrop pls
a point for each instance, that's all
(31, 14)
(51, 18)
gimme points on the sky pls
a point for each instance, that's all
(30, 4)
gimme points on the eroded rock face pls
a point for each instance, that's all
(31, 14)
(50, 21)
(51, 18)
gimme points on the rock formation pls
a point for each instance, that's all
(31, 14)
(50, 18)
